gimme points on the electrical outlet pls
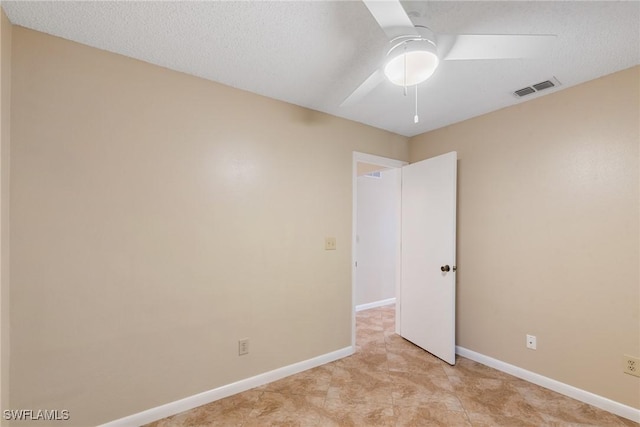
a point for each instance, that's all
(329, 243)
(631, 365)
(243, 347)
(531, 342)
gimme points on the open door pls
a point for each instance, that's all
(428, 278)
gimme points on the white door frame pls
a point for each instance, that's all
(387, 163)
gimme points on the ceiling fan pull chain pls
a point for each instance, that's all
(416, 119)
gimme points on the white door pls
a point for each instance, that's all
(428, 278)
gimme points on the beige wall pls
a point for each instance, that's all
(548, 232)
(156, 219)
(5, 134)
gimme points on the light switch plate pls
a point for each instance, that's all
(329, 243)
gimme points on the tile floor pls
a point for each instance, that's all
(391, 382)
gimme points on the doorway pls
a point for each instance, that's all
(376, 235)
(423, 247)
(389, 259)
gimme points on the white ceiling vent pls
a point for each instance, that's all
(552, 82)
(375, 174)
(524, 91)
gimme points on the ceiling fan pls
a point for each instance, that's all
(415, 51)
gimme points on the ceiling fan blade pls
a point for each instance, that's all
(367, 86)
(494, 46)
(391, 17)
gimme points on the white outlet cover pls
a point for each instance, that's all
(243, 347)
(531, 342)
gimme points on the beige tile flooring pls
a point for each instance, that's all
(391, 382)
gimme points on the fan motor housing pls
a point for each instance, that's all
(412, 59)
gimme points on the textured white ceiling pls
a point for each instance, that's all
(314, 54)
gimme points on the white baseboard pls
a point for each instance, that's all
(375, 304)
(172, 408)
(614, 407)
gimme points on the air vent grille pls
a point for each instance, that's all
(543, 85)
(525, 91)
(553, 82)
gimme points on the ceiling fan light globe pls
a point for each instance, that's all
(420, 65)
